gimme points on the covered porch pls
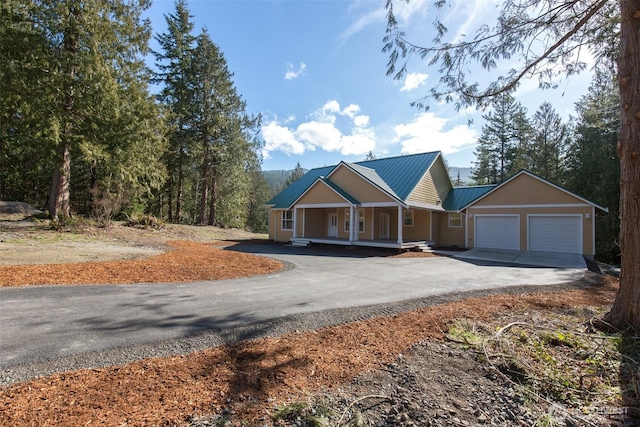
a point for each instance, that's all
(380, 225)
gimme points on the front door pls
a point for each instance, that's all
(384, 225)
(333, 225)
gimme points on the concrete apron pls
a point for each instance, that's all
(537, 259)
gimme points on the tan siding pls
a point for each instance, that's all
(275, 230)
(436, 217)
(433, 186)
(316, 222)
(425, 191)
(341, 223)
(451, 236)
(587, 223)
(368, 224)
(319, 194)
(358, 187)
(420, 229)
(527, 190)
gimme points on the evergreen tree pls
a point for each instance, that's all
(87, 61)
(296, 173)
(549, 144)
(593, 162)
(524, 134)
(26, 139)
(174, 64)
(499, 142)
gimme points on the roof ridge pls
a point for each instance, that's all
(399, 156)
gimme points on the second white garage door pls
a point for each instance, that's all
(555, 233)
(497, 231)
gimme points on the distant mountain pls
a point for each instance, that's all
(465, 176)
(276, 179)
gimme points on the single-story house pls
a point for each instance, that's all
(409, 202)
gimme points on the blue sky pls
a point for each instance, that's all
(316, 72)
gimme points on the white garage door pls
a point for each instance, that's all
(559, 233)
(497, 231)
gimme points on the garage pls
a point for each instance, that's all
(555, 233)
(497, 231)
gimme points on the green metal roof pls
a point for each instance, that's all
(402, 173)
(396, 175)
(460, 197)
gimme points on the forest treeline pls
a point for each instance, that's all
(87, 128)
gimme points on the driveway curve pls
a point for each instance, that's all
(64, 327)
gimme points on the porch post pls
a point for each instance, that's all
(373, 223)
(356, 225)
(351, 221)
(399, 224)
(295, 222)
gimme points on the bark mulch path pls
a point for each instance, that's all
(186, 262)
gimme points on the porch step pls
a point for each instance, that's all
(300, 243)
(424, 247)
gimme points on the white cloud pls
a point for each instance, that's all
(427, 133)
(361, 121)
(280, 138)
(414, 81)
(317, 134)
(292, 74)
(324, 132)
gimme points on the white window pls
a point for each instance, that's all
(287, 220)
(455, 220)
(408, 218)
(347, 221)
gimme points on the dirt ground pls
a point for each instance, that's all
(240, 384)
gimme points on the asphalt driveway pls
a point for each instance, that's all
(55, 324)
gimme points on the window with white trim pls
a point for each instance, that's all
(287, 220)
(407, 219)
(455, 220)
(360, 220)
(347, 221)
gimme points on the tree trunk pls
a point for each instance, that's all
(212, 202)
(179, 187)
(626, 307)
(59, 196)
(60, 183)
(170, 199)
(204, 180)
